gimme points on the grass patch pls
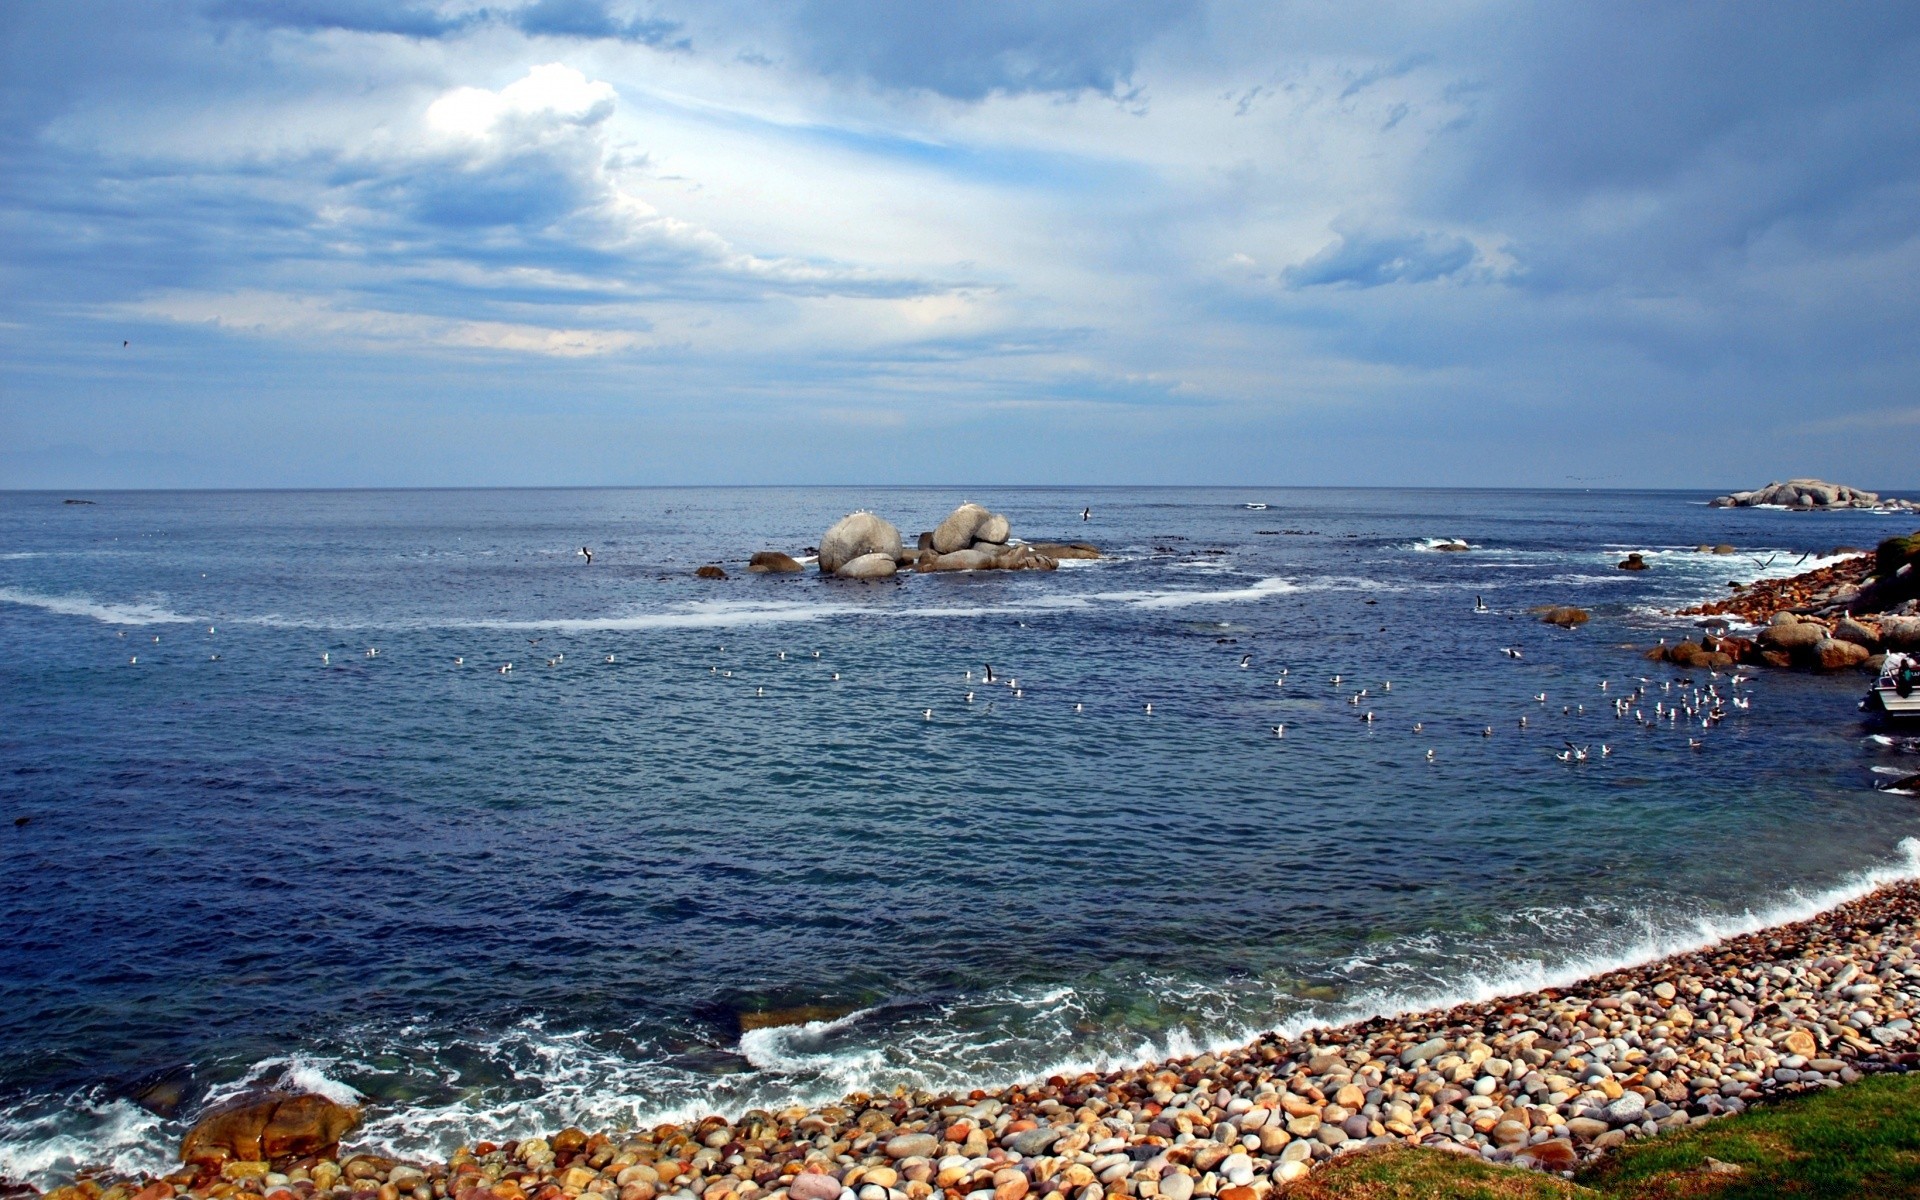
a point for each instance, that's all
(1856, 1141)
(1859, 1140)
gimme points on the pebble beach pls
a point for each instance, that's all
(1544, 1080)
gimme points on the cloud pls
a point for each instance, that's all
(591, 20)
(973, 50)
(1367, 260)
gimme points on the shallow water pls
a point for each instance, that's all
(498, 902)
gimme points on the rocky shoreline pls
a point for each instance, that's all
(1546, 1080)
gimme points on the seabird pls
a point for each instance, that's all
(1336, 679)
(1541, 697)
(970, 699)
(506, 667)
(538, 640)
(609, 658)
(213, 658)
(836, 676)
(1523, 722)
(459, 662)
(372, 651)
(1018, 694)
(1695, 743)
(1387, 686)
(587, 554)
(1479, 605)
(209, 629)
(1086, 514)
(1149, 708)
(1510, 651)
(1368, 718)
(1605, 750)
(1244, 660)
(1429, 755)
(987, 672)
(759, 691)
(926, 714)
(816, 654)
(1077, 706)
(325, 658)
(1280, 731)
(1419, 725)
(1565, 756)
(1487, 732)
(783, 656)
(133, 660)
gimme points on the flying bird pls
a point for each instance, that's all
(586, 554)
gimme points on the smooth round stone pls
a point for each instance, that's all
(912, 1145)
(1176, 1187)
(814, 1187)
(1627, 1108)
(1238, 1168)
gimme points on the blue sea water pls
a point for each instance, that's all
(252, 850)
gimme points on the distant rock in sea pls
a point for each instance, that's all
(1811, 495)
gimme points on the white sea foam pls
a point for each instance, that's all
(100, 610)
(1260, 589)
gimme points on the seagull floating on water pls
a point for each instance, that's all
(1280, 731)
(1244, 660)
(926, 714)
(1149, 708)
(1510, 651)
(459, 662)
(1479, 605)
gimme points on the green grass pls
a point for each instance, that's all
(1857, 1141)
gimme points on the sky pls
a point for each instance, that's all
(345, 243)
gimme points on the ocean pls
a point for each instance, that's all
(271, 813)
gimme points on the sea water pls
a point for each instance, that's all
(274, 815)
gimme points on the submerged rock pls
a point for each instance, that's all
(772, 562)
(711, 571)
(1564, 615)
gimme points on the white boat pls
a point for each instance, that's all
(1897, 692)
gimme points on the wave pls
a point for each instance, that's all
(100, 610)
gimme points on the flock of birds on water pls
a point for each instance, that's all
(1672, 704)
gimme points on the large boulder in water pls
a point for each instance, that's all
(959, 529)
(1900, 633)
(1061, 550)
(854, 535)
(264, 1127)
(867, 566)
(1832, 654)
(1796, 635)
(995, 530)
(959, 560)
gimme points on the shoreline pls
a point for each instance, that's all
(1548, 1079)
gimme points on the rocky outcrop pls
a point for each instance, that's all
(970, 538)
(868, 566)
(1634, 562)
(772, 562)
(1811, 495)
(263, 1127)
(711, 571)
(854, 536)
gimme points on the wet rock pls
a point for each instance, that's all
(711, 571)
(772, 562)
(994, 530)
(1032, 1142)
(1564, 615)
(1791, 636)
(268, 1126)
(1633, 562)
(1061, 551)
(1858, 632)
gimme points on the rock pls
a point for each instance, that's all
(1237, 1168)
(1176, 1187)
(1795, 636)
(1858, 632)
(1633, 562)
(1832, 654)
(1432, 1048)
(994, 529)
(1009, 1184)
(1723, 548)
(854, 536)
(912, 1145)
(1553, 1155)
(868, 566)
(959, 560)
(1508, 1133)
(809, 1186)
(711, 571)
(264, 1127)
(772, 562)
(1799, 1041)
(1628, 1107)
(1585, 1128)
(1030, 1142)
(960, 528)
(1060, 551)
(1564, 615)
(1900, 633)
